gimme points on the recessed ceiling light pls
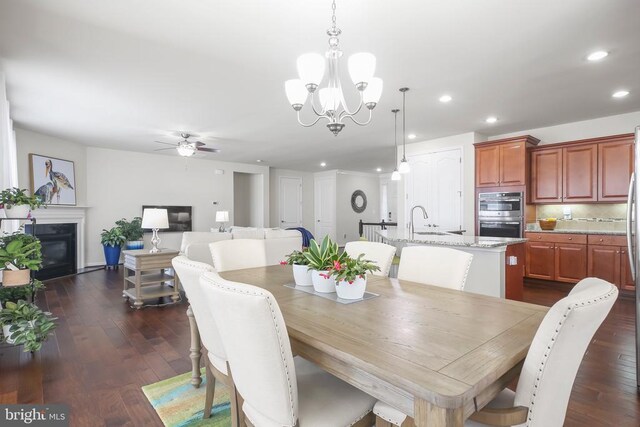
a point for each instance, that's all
(597, 55)
(491, 119)
(259, 161)
(411, 136)
(323, 164)
(620, 94)
(445, 98)
(379, 170)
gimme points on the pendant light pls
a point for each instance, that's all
(395, 176)
(404, 165)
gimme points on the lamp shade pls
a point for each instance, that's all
(373, 91)
(361, 67)
(222, 216)
(155, 218)
(311, 68)
(296, 92)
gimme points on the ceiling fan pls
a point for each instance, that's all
(187, 148)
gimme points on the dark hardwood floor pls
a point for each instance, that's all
(103, 352)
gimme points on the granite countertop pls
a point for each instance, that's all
(446, 239)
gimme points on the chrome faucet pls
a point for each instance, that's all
(424, 214)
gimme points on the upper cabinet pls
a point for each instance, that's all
(593, 170)
(504, 162)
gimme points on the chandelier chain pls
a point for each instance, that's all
(333, 15)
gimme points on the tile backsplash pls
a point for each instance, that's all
(613, 211)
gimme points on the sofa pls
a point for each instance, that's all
(278, 242)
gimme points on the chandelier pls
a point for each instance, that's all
(331, 104)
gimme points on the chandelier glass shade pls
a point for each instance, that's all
(328, 102)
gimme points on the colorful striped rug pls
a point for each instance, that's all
(179, 404)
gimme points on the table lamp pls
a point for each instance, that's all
(222, 216)
(155, 219)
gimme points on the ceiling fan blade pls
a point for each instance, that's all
(208, 150)
(199, 143)
(163, 149)
(165, 143)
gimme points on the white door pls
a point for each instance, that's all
(435, 182)
(325, 208)
(290, 202)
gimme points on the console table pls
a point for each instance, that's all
(145, 276)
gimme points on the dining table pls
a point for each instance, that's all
(436, 354)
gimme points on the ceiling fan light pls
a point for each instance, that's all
(361, 65)
(186, 150)
(395, 176)
(404, 167)
(373, 91)
(296, 92)
(311, 68)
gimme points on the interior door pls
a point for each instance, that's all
(290, 202)
(435, 182)
(325, 208)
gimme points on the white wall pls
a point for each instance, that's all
(346, 218)
(603, 126)
(307, 196)
(28, 142)
(465, 141)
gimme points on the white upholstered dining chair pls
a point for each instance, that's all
(189, 273)
(550, 367)
(237, 254)
(380, 253)
(277, 389)
(431, 265)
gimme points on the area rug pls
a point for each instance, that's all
(179, 404)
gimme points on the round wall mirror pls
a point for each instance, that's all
(358, 201)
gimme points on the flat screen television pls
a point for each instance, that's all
(180, 217)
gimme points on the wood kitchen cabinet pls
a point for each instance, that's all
(556, 256)
(609, 260)
(590, 170)
(570, 262)
(504, 162)
(540, 260)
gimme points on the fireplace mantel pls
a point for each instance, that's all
(56, 214)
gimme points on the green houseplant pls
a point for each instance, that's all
(17, 203)
(15, 294)
(321, 259)
(351, 276)
(299, 263)
(112, 241)
(132, 231)
(24, 323)
(19, 253)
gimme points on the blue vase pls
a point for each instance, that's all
(135, 244)
(112, 254)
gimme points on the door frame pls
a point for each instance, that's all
(280, 199)
(407, 208)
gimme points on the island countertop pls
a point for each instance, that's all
(446, 239)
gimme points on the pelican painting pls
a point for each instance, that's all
(53, 179)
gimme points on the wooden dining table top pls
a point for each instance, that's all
(414, 341)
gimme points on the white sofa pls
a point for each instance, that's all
(278, 242)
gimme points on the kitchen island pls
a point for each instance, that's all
(497, 268)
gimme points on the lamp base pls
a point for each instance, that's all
(221, 229)
(155, 241)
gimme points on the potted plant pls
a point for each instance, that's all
(17, 203)
(25, 323)
(321, 258)
(19, 253)
(351, 276)
(132, 231)
(301, 272)
(17, 293)
(112, 241)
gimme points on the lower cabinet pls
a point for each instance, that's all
(572, 257)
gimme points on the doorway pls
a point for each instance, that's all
(248, 199)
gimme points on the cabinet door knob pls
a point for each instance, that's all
(570, 238)
(601, 240)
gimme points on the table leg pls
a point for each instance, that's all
(176, 288)
(430, 415)
(195, 351)
(124, 282)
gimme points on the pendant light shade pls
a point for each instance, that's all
(311, 68)
(395, 176)
(404, 167)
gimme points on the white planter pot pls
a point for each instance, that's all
(353, 290)
(321, 284)
(7, 334)
(17, 211)
(302, 275)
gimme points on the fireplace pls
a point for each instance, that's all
(59, 246)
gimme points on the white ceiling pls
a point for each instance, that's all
(123, 73)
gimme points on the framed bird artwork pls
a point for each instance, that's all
(54, 180)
